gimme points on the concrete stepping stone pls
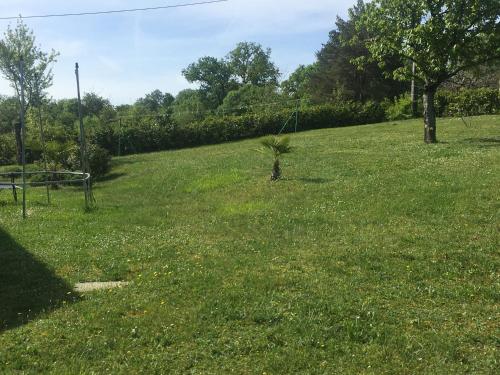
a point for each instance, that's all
(90, 287)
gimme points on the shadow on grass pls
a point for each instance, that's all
(110, 177)
(27, 287)
(120, 161)
(310, 180)
(484, 142)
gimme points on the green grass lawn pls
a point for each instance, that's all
(375, 254)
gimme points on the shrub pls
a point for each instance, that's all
(471, 102)
(399, 109)
(60, 155)
(98, 157)
(99, 161)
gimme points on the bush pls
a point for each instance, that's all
(471, 102)
(399, 109)
(99, 160)
(59, 157)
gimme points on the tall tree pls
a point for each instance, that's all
(298, 84)
(442, 38)
(20, 44)
(337, 76)
(188, 107)
(251, 64)
(155, 101)
(95, 105)
(214, 78)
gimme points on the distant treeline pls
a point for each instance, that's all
(242, 95)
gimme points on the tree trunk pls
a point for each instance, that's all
(429, 115)
(276, 175)
(19, 141)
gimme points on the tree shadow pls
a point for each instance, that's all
(120, 161)
(27, 287)
(483, 142)
(311, 180)
(110, 177)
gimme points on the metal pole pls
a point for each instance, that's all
(82, 137)
(42, 139)
(23, 135)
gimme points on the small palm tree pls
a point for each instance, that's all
(278, 147)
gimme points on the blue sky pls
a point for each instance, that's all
(124, 56)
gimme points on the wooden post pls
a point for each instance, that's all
(83, 150)
(42, 139)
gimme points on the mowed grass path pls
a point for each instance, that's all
(376, 254)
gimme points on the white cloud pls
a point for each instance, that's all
(123, 56)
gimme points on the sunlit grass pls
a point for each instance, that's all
(374, 254)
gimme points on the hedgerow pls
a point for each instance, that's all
(156, 136)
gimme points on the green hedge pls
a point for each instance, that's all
(164, 135)
(471, 102)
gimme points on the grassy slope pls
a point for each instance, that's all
(376, 254)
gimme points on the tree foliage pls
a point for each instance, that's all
(298, 85)
(188, 106)
(247, 64)
(486, 75)
(214, 78)
(20, 44)
(250, 98)
(442, 38)
(9, 112)
(155, 101)
(251, 64)
(337, 77)
(95, 105)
